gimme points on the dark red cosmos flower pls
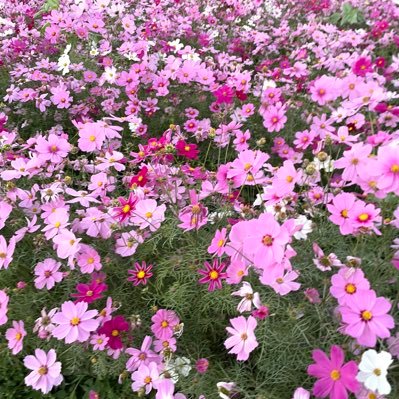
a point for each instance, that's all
(89, 292)
(187, 150)
(140, 179)
(113, 329)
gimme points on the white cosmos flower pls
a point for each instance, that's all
(301, 393)
(63, 63)
(306, 228)
(110, 74)
(373, 370)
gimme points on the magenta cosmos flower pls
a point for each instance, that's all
(366, 318)
(46, 372)
(74, 322)
(213, 274)
(126, 208)
(113, 329)
(89, 292)
(164, 322)
(242, 341)
(335, 378)
(140, 274)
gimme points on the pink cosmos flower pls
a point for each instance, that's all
(163, 345)
(335, 378)
(364, 216)
(144, 355)
(353, 160)
(75, 322)
(366, 318)
(213, 274)
(286, 177)
(242, 341)
(4, 298)
(113, 329)
(56, 223)
(218, 243)
(5, 210)
(341, 212)
(15, 336)
(235, 271)
(274, 118)
(323, 90)
(127, 244)
(46, 372)
(99, 341)
(145, 377)
(201, 365)
(6, 252)
(52, 149)
(246, 168)
(348, 283)
(48, 273)
(266, 240)
(61, 97)
(88, 259)
(148, 214)
(140, 274)
(280, 280)
(67, 244)
(91, 137)
(388, 168)
(163, 323)
(193, 216)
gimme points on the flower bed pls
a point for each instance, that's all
(199, 199)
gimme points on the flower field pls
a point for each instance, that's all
(199, 199)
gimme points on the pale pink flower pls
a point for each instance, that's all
(48, 273)
(75, 322)
(248, 296)
(67, 244)
(46, 372)
(242, 341)
(148, 214)
(280, 280)
(15, 336)
(4, 298)
(52, 149)
(6, 252)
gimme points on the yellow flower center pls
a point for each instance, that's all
(75, 321)
(3, 255)
(247, 167)
(371, 395)
(100, 341)
(92, 138)
(395, 168)
(240, 273)
(126, 208)
(220, 243)
(115, 333)
(322, 91)
(148, 215)
(279, 280)
(244, 336)
(267, 240)
(344, 213)
(213, 275)
(141, 274)
(90, 261)
(335, 375)
(147, 380)
(165, 344)
(57, 224)
(186, 148)
(18, 336)
(363, 217)
(274, 119)
(43, 370)
(366, 315)
(164, 324)
(53, 148)
(195, 209)
(89, 293)
(377, 372)
(350, 288)
(289, 179)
